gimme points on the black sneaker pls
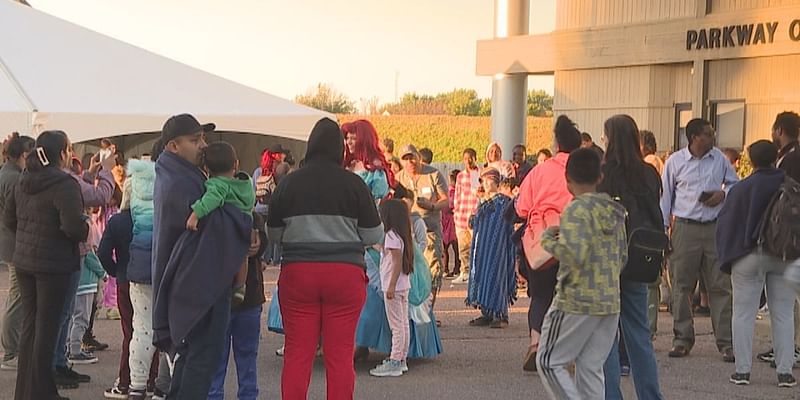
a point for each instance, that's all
(766, 356)
(786, 381)
(151, 389)
(91, 345)
(70, 373)
(63, 381)
(741, 379)
(82, 358)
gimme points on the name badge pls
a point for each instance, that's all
(427, 191)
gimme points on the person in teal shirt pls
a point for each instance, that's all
(225, 185)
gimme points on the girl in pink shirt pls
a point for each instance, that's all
(397, 263)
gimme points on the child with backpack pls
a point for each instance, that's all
(591, 246)
(397, 263)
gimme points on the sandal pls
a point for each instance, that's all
(530, 358)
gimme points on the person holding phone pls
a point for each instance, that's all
(431, 191)
(695, 182)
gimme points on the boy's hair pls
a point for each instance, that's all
(454, 174)
(219, 158)
(763, 153)
(583, 167)
(426, 155)
(471, 152)
(586, 137)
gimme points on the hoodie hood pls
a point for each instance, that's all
(37, 182)
(608, 215)
(325, 144)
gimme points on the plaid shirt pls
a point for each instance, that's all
(465, 202)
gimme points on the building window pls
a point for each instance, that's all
(683, 114)
(728, 119)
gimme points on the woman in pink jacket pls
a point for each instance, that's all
(542, 197)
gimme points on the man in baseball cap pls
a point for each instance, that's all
(183, 135)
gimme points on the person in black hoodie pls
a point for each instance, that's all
(637, 185)
(46, 212)
(324, 216)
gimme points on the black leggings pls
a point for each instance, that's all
(42, 297)
(541, 288)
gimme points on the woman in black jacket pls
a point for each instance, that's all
(637, 185)
(46, 212)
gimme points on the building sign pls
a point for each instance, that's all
(737, 35)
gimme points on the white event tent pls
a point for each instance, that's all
(57, 75)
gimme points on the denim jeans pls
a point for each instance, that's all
(197, 357)
(60, 355)
(244, 332)
(749, 274)
(636, 329)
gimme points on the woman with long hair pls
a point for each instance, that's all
(637, 185)
(364, 157)
(46, 212)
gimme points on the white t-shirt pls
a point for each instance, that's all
(393, 241)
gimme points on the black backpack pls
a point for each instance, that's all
(779, 232)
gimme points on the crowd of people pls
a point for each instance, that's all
(598, 238)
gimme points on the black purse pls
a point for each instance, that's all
(646, 248)
(647, 241)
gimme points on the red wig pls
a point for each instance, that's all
(268, 161)
(367, 150)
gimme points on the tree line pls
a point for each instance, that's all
(463, 102)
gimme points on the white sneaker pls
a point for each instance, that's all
(280, 351)
(391, 368)
(404, 366)
(461, 279)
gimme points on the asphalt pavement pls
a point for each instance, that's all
(477, 363)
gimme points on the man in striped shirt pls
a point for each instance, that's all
(464, 206)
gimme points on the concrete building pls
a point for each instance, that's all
(734, 62)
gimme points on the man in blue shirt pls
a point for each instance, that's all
(695, 182)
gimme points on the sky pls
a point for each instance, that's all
(286, 47)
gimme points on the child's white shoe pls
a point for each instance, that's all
(391, 368)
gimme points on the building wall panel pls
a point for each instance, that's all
(723, 6)
(579, 14)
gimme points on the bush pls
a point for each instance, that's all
(449, 135)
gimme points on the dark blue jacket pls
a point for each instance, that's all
(178, 184)
(114, 249)
(199, 273)
(738, 223)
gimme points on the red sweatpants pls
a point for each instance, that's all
(320, 300)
